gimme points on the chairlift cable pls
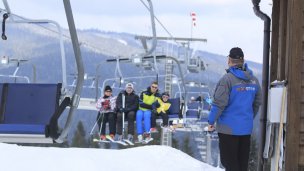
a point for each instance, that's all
(160, 23)
(54, 31)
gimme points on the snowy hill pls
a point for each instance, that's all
(160, 158)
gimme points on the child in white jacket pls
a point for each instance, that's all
(106, 113)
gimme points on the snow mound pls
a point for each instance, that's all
(148, 158)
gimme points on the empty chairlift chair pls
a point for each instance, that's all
(193, 110)
(29, 112)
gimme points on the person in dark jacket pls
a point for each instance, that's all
(129, 109)
(236, 102)
(146, 99)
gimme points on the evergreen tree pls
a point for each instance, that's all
(79, 139)
(187, 146)
(174, 142)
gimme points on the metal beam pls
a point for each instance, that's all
(171, 38)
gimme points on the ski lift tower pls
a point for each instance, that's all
(169, 62)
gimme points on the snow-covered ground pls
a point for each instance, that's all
(147, 158)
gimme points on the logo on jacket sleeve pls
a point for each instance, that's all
(245, 88)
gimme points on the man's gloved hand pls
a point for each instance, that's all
(122, 110)
(155, 105)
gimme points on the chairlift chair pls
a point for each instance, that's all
(8, 62)
(86, 103)
(194, 65)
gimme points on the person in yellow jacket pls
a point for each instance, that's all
(146, 99)
(163, 109)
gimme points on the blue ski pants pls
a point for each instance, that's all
(146, 116)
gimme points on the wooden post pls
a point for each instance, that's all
(282, 64)
(275, 41)
(294, 54)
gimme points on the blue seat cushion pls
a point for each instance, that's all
(22, 129)
(191, 113)
(173, 116)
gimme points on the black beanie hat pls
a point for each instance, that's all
(165, 94)
(236, 53)
(108, 88)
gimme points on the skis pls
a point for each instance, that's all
(124, 142)
(147, 141)
(128, 142)
(113, 141)
(100, 141)
(144, 141)
(109, 140)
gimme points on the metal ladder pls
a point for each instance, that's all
(166, 137)
(168, 78)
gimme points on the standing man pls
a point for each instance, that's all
(131, 106)
(237, 98)
(146, 99)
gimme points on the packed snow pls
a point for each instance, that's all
(147, 158)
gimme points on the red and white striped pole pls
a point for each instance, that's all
(193, 17)
(193, 21)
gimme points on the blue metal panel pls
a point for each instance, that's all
(175, 106)
(30, 103)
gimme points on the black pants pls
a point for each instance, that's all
(130, 116)
(234, 151)
(165, 118)
(153, 119)
(104, 118)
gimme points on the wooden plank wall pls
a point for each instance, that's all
(301, 150)
(294, 72)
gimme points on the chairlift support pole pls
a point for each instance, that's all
(118, 69)
(80, 69)
(6, 6)
(154, 39)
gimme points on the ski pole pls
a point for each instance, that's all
(123, 115)
(91, 133)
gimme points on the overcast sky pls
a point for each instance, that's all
(224, 23)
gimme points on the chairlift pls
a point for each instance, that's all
(86, 103)
(198, 111)
(7, 62)
(194, 65)
(35, 120)
(203, 68)
(147, 65)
